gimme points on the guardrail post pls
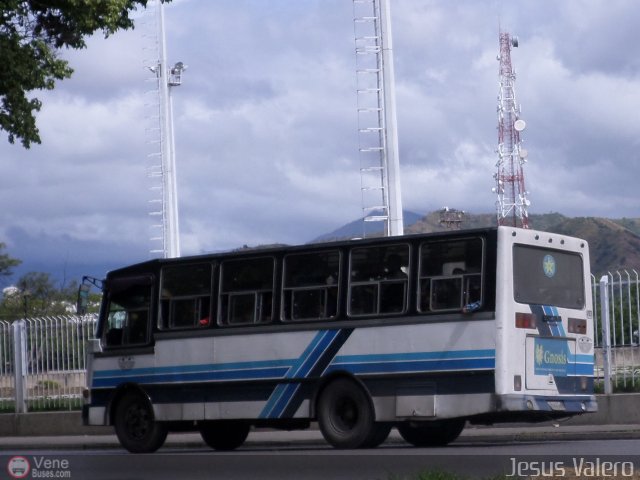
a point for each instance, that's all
(606, 332)
(20, 364)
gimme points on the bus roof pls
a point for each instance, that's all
(152, 265)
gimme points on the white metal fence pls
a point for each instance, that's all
(43, 362)
(616, 307)
(7, 379)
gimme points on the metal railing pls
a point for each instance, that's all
(616, 309)
(7, 378)
(44, 362)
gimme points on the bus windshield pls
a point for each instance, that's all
(545, 276)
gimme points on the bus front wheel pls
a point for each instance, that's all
(346, 416)
(431, 434)
(135, 425)
(224, 435)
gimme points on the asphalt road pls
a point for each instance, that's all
(305, 456)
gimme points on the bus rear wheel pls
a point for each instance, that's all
(432, 434)
(135, 425)
(224, 435)
(346, 416)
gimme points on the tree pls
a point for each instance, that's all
(7, 263)
(35, 295)
(31, 34)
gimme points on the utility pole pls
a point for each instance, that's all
(377, 124)
(167, 78)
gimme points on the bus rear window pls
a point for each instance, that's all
(544, 276)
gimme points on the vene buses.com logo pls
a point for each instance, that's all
(18, 467)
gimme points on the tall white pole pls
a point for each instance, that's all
(396, 225)
(171, 230)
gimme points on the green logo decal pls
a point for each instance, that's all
(549, 266)
(539, 354)
(551, 357)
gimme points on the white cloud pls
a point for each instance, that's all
(266, 125)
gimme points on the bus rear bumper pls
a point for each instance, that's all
(550, 405)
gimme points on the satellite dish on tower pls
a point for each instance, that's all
(524, 153)
(519, 125)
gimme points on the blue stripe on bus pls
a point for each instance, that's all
(210, 376)
(283, 392)
(179, 369)
(325, 345)
(416, 366)
(579, 358)
(301, 367)
(415, 356)
(584, 369)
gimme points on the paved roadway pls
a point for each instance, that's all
(479, 453)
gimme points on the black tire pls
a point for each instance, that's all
(432, 434)
(135, 424)
(345, 415)
(225, 434)
(378, 435)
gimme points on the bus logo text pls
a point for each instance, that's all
(550, 357)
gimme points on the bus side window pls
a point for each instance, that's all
(185, 296)
(246, 291)
(378, 281)
(128, 316)
(450, 276)
(311, 286)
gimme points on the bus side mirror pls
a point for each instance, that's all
(83, 299)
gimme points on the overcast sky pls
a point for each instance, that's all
(266, 124)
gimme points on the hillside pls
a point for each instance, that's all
(614, 244)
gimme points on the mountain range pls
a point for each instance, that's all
(613, 243)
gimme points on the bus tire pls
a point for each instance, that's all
(345, 415)
(135, 425)
(432, 434)
(378, 435)
(225, 434)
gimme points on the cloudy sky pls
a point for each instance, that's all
(266, 124)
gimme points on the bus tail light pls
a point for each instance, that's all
(525, 320)
(577, 326)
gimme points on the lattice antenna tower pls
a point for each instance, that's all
(377, 130)
(512, 203)
(162, 171)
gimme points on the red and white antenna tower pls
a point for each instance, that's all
(512, 200)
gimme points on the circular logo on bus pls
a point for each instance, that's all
(549, 265)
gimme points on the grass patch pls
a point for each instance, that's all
(619, 386)
(45, 405)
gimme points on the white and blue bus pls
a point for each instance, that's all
(420, 332)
